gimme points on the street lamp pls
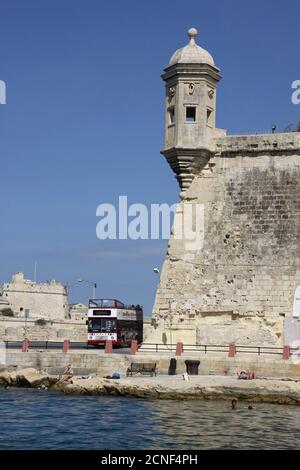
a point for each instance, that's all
(92, 283)
(26, 316)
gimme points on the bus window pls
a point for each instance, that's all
(103, 325)
(108, 325)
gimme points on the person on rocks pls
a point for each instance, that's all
(243, 375)
(67, 374)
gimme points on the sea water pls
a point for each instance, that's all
(37, 419)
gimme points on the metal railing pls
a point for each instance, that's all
(213, 348)
(261, 350)
(159, 348)
(264, 132)
(45, 345)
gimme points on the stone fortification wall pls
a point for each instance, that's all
(48, 300)
(241, 284)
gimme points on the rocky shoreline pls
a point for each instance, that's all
(161, 387)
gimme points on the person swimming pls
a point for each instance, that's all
(233, 404)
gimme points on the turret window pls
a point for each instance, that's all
(171, 116)
(209, 117)
(190, 114)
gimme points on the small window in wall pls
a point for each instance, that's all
(171, 116)
(190, 114)
(209, 116)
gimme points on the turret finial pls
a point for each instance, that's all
(192, 33)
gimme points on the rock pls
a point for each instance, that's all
(30, 377)
(7, 375)
(224, 388)
(163, 387)
(76, 386)
(4, 378)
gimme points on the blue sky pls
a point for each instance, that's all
(84, 117)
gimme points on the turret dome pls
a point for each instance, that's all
(192, 53)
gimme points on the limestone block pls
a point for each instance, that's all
(63, 334)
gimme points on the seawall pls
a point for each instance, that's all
(101, 364)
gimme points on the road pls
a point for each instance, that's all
(58, 345)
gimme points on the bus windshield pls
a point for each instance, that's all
(103, 325)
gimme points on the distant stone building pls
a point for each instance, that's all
(48, 300)
(78, 311)
(240, 286)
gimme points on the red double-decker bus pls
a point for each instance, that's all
(110, 319)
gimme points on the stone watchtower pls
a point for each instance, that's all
(191, 81)
(240, 285)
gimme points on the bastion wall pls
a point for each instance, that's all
(240, 286)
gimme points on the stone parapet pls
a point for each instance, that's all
(258, 143)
